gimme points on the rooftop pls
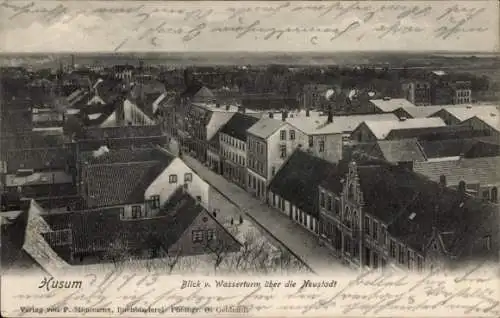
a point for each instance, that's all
(463, 113)
(382, 128)
(265, 127)
(389, 105)
(36, 158)
(238, 125)
(298, 179)
(393, 194)
(122, 176)
(122, 131)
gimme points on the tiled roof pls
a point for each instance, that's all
(476, 170)
(412, 205)
(191, 90)
(382, 128)
(405, 150)
(446, 148)
(298, 179)
(122, 143)
(437, 133)
(122, 176)
(98, 230)
(128, 155)
(265, 127)
(390, 105)
(417, 207)
(37, 158)
(238, 125)
(483, 149)
(122, 131)
(119, 183)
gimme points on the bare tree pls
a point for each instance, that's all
(117, 252)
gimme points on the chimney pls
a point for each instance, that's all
(329, 119)
(307, 112)
(271, 115)
(227, 106)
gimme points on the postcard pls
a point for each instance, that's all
(249, 158)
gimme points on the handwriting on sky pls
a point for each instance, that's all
(307, 23)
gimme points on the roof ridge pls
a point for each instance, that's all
(124, 163)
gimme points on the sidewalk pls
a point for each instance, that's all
(293, 236)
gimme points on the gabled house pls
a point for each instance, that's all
(369, 131)
(385, 215)
(294, 188)
(461, 113)
(182, 227)
(490, 123)
(137, 181)
(399, 152)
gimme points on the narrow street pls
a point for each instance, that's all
(293, 236)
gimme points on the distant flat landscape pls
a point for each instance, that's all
(394, 59)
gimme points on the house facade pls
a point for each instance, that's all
(144, 180)
(233, 147)
(417, 92)
(357, 227)
(269, 143)
(462, 92)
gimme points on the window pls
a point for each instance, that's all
(282, 151)
(321, 146)
(172, 178)
(188, 177)
(136, 211)
(197, 236)
(347, 244)
(282, 134)
(322, 199)
(461, 186)
(311, 141)
(155, 201)
(401, 254)
(366, 225)
(487, 242)
(337, 206)
(375, 230)
(494, 195)
(292, 134)
(329, 205)
(442, 180)
(122, 213)
(383, 236)
(392, 248)
(210, 234)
